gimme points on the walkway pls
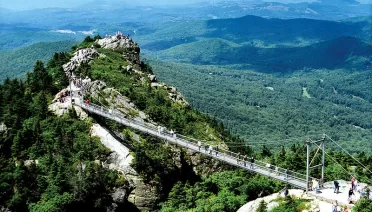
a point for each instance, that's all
(296, 179)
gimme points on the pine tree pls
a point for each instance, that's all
(262, 207)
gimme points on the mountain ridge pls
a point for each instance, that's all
(328, 54)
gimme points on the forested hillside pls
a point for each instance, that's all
(49, 163)
(15, 63)
(271, 107)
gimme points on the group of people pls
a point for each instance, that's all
(162, 130)
(209, 148)
(362, 189)
(119, 35)
(268, 166)
(335, 206)
(62, 96)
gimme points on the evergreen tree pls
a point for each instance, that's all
(39, 79)
(262, 207)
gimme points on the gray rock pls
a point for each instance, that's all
(3, 128)
(152, 78)
(120, 195)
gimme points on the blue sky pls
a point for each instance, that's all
(32, 4)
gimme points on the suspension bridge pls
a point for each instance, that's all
(298, 180)
(294, 178)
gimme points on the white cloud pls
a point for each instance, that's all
(65, 31)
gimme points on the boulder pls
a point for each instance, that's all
(3, 128)
(120, 195)
(80, 113)
(129, 68)
(152, 78)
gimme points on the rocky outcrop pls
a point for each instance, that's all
(173, 94)
(117, 42)
(131, 51)
(80, 56)
(113, 99)
(136, 191)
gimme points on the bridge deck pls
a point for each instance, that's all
(293, 178)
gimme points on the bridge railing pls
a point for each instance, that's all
(221, 153)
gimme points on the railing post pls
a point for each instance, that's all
(323, 145)
(307, 164)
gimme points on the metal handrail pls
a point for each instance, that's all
(191, 143)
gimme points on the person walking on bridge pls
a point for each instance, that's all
(276, 170)
(252, 163)
(245, 160)
(171, 132)
(286, 174)
(199, 145)
(268, 166)
(217, 148)
(206, 147)
(210, 149)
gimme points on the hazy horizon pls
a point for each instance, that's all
(39, 4)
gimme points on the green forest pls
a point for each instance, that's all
(262, 107)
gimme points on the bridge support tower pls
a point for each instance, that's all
(321, 146)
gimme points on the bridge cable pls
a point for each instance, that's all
(349, 154)
(314, 156)
(334, 160)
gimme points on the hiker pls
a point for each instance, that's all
(252, 163)
(210, 149)
(206, 147)
(337, 187)
(286, 174)
(171, 132)
(276, 170)
(351, 192)
(355, 185)
(217, 148)
(245, 160)
(316, 186)
(199, 145)
(285, 192)
(268, 167)
(334, 206)
(352, 182)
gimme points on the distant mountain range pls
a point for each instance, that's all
(338, 53)
(269, 45)
(257, 31)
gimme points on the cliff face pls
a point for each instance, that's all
(123, 144)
